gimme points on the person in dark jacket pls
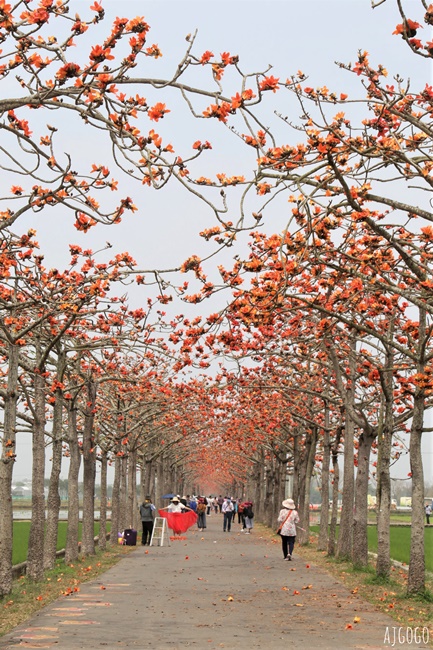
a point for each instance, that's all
(147, 510)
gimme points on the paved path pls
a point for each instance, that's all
(211, 590)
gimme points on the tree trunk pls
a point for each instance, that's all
(123, 521)
(345, 535)
(253, 485)
(53, 500)
(383, 489)
(115, 529)
(71, 550)
(102, 544)
(416, 577)
(360, 519)
(89, 467)
(148, 482)
(304, 535)
(266, 514)
(332, 545)
(296, 466)
(160, 481)
(132, 490)
(322, 543)
(6, 472)
(279, 494)
(35, 553)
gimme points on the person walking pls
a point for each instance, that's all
(147, 515)
(201, 511)
(235, 509)
(428, 512)
(288, 518)
(248, 514)
(192, 503)
(227, 510)
(241, 513)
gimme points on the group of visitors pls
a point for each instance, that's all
(243, 509)
(229, 507)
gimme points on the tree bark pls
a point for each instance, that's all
(89, 467)
(132, 490)
(304, 514)
(345, 536)
(149, 478)
(383, 490)
(296, 468)
(102, 543)
(71, 550)
(416, 576)
(6, 472)
(115, 529)
(53, 499)
(360, 518)
(35, 553)
(123, 521)
(322, 543)
(332, 544)
(265, 513)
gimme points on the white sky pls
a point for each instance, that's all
(290, 35)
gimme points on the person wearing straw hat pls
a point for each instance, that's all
(179, 517)
(287, 520)
(176, 505)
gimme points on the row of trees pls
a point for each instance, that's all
(325, 346)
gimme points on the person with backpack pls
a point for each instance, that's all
(248, 517)
(287, 520)
(146, 513)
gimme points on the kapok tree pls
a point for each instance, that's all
(326, 282)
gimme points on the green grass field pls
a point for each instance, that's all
(400, 543)
(21, 538)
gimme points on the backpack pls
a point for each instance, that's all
(201, 508)
(248, 512)
(146, 510)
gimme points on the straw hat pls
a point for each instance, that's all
(289, 504)
(175, 500)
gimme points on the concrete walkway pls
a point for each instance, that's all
(211, 590)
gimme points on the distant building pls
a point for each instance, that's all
(21, 492)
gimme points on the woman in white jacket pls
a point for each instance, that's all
(287, 519)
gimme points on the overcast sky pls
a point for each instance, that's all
(290, 35)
